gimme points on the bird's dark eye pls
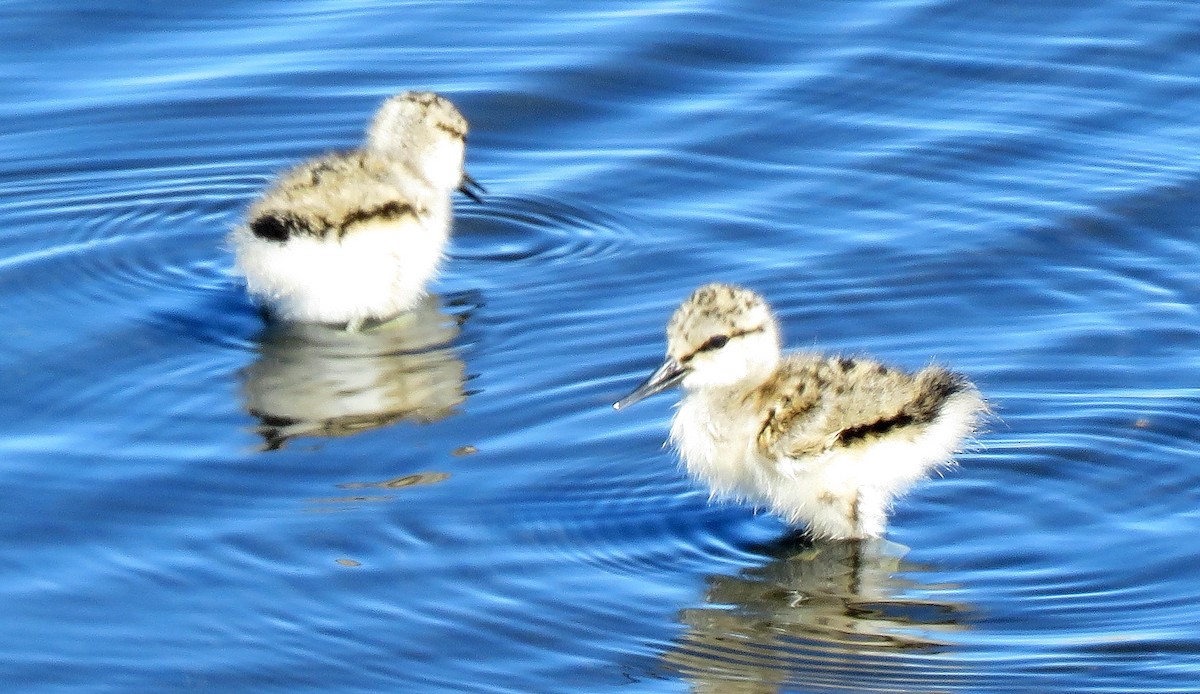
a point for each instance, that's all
(714, 342)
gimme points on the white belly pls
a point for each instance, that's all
(375, 271)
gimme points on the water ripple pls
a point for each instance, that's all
(530, 230)
(115, 248)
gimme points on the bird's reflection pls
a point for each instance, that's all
(824, 614)
(315, 380)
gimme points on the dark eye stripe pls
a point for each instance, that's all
(717, 342)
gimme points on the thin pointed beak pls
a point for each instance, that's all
(667, 375)
(471, 188)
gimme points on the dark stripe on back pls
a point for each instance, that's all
(276, 226)
(281, 226)
(922, 409)
(383, 213)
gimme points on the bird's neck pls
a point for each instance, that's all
(751, 381)
(760, 371)
(440, 165)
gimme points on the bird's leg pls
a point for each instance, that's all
(856, 513)
(856, 566)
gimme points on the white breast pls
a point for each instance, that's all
(716, 446)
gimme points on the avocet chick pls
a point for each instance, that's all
(824, 441)
(355, 236)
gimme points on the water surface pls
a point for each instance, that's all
(193, 501)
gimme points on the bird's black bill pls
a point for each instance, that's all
(471, 188)
(667, 376)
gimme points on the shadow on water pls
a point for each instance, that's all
(321, 381)
(843, 615)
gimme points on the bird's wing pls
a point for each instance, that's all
(840, 402)
(794, 402)
(328, 196)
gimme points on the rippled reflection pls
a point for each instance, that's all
(835, 614)
(315, 380)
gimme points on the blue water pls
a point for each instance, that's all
(190, 501)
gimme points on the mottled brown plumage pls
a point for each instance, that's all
(818, 402)
(326, 198)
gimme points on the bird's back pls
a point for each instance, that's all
(326, 198)
(823, 403)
